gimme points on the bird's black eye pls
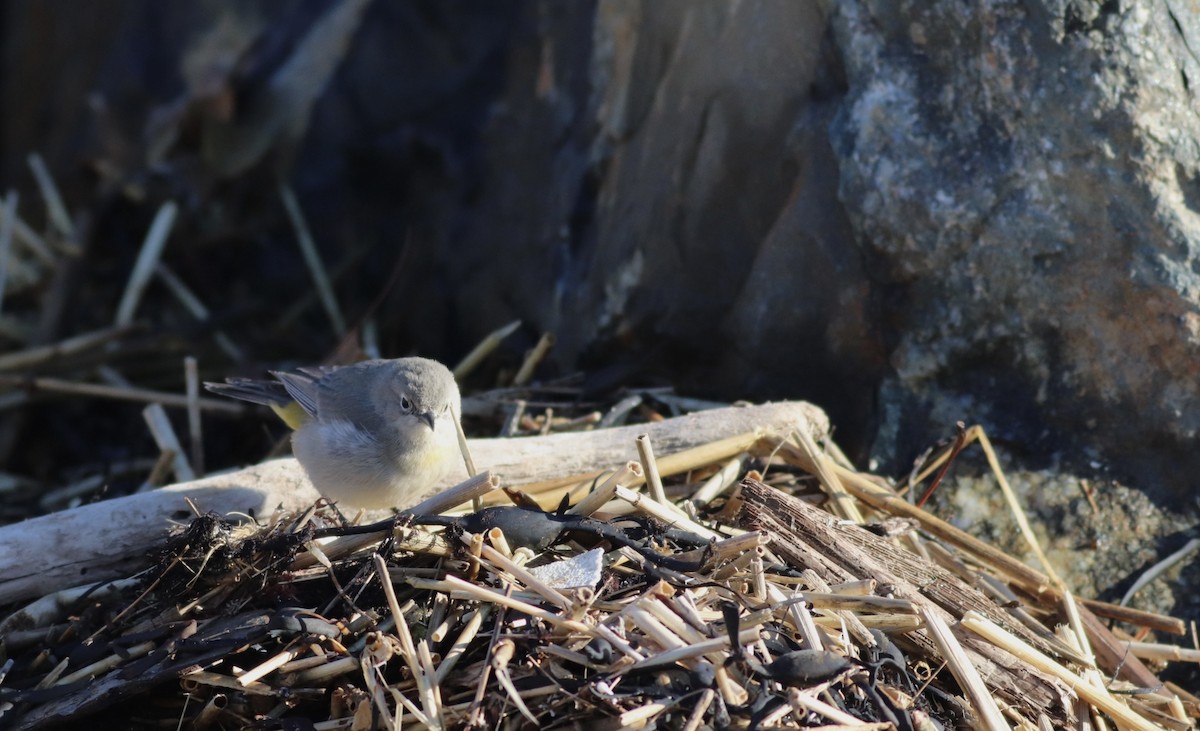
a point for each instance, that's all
(405, 403)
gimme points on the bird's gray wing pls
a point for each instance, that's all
(302, 386)
(356, 393)
(318, 372)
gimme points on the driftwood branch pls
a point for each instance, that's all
(110, 539)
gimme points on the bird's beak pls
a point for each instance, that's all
(427, 417)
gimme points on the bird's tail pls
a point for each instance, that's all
(266, 393)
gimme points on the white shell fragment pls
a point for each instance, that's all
(572, 573)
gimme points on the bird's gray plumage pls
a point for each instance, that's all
(379, 434)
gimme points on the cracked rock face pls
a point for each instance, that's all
(1022, 178)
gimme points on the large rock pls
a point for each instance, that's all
(1022, 179)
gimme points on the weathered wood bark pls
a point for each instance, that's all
(812, 538)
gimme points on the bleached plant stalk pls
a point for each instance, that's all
(268, 666)
(191, 377)
(143, 268)
(698, 649)
(324, 673)
(1121, 713)
(465, 637)
(30, 239)
(805, 702)
(1163, 652)
(883, 622)
(1160, 568)
(853, 602)
(484, 349)
(664, 513)
(210, 712)
(964, 672)
(55, 207)
(714, 486)
(471, 488)
(461, 588)
(112, 661)
(408, 647)
(725, 548)
(7, 222)
(67, 347)
(631, 472)
(702, 706)
(842, 503)
(505, 563)
(532, 359)
(167, 441)
(192, 303)
(74, 388)
(312, 259)
(197, 679)
(650, 469)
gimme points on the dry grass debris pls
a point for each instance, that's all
(759, 607)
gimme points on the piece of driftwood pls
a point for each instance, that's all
(838, 551)
(110, 539)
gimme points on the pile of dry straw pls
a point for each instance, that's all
(683, 591)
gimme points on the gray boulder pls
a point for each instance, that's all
(1021, 178)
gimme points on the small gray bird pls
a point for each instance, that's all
(376, 434)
